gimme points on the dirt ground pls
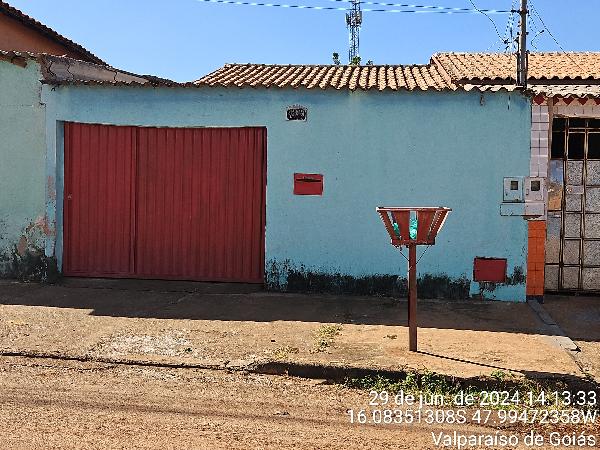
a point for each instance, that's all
(212, 328)
(57, 404)
(579, 317)
(46, 404)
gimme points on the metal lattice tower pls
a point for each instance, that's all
(354, 21)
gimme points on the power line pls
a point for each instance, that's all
(509, 37)
(534, 38)
(535, 30)
(554, 38)
(490, 19)
(439, 8)
(332, 8)
(546, 28)
(242, 3)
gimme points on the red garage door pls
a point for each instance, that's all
(164, 203)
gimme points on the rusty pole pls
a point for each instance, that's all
(412, 297)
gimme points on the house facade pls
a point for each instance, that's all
(564, 243)
(112, 175)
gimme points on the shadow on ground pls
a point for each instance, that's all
(227, 302)
(578, 316)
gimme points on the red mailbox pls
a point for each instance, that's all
(308, 184)
(491, 270)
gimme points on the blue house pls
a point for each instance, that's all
(258, 173)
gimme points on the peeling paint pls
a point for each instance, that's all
(487, 289)
(51, 188)
(43, 225)
(33, 265)
(21, 247)
(287, 277)
(517, 277)
(26, 259)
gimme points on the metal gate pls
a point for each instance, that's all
(573, 227)
(165, 203)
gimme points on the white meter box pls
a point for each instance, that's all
(513, 190)
(534, 189)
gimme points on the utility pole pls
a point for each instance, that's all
(353, 22)
(522, 54)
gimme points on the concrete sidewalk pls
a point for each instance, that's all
(213, 327)
(579, 317)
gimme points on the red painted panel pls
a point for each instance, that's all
(99, 200)
(199, 202)
(402, 218)
(490, 270)
(308, 184)
(424, 220)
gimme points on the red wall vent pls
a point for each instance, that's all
(308, 184)
(491, 270)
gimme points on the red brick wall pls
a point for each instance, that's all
(536, 257)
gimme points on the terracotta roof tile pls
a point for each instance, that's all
(400, 80)
(317, 77)
(390, 79)
(567, 90)
(314, 71)
(502, 66)
(382, 77)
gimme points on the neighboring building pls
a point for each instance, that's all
(19, 32)
(110, 175)
(564, 244)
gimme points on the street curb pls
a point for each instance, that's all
(558, 335)
(559, 338)
(99, 359)
(300, 370)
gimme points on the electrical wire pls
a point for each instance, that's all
(440, 8)
(535, 30)
(534, 38)
(554, 38)
(509, 33)
(331, 8)
(489, 18)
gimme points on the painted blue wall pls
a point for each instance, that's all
(23, 228)
(374, 148)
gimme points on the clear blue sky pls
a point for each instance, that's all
(185, 39)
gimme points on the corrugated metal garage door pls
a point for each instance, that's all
(165, 203)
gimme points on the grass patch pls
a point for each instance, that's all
(524, 393)
(284, 352)
(413, 383)
(325, 336)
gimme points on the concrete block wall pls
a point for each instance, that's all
(542, 112)
(540, 145)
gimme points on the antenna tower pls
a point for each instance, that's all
(353, 22)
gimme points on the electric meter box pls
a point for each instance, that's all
(513, 190)
(534, 189)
